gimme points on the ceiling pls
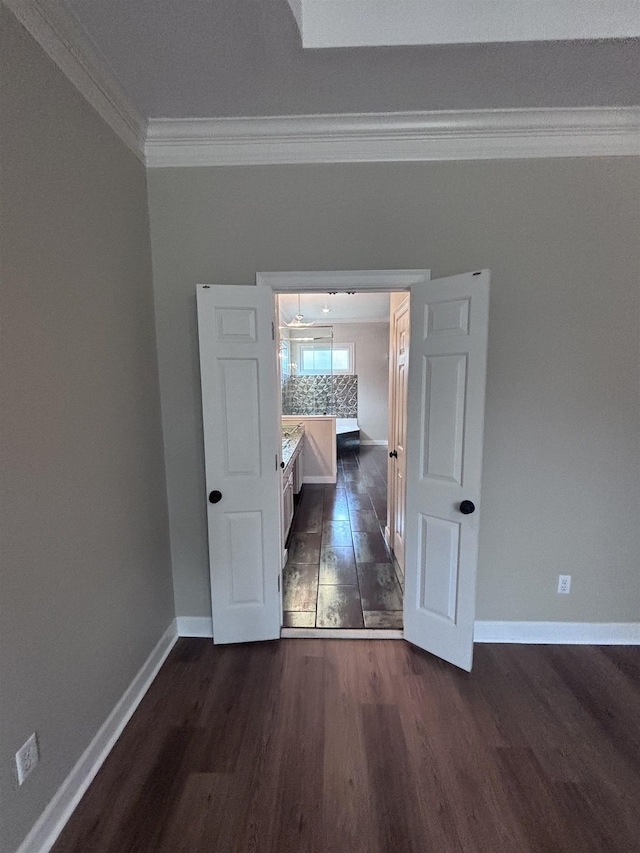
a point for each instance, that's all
(358, 23)
(345, 307)
(217, 58)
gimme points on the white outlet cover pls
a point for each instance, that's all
(564, 584)
(27, 758)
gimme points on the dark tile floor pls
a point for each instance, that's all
(340, 573)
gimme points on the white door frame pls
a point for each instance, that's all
(390, 530)
(343, 281)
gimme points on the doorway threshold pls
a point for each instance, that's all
(341, 634)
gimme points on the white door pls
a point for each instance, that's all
(398, 456)
(242, 457)
(447, 368)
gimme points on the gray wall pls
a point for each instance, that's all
(561, 484)
(86, 580)
(372, 367)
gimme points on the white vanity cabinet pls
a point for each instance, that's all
(298, 470)
(292, 473)
(320, 462)
(287, 503)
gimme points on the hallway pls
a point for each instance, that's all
(340, 573)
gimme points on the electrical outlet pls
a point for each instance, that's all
(27, 758)
(564, 584)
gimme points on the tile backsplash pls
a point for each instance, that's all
(320, 395)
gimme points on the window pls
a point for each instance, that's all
(317, 359)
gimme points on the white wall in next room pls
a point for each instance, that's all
(372, 368)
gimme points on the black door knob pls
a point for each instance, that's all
(394, 454)
(467, 507)
(215, 497)
(282, 465)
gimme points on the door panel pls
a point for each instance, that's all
(438, 566)
(444, 385)
(449, 328)
(241, 436)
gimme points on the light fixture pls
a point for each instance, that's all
(297, 320)
(326, 309)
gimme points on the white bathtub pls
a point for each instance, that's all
(346, 425)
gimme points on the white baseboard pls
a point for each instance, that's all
(562, 633)
(378, 442)
(323, 479)
(582, 633)
(194, 626)
(51, 822)
(565, 633)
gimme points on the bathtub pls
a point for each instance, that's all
(346, 425)
(347, 434)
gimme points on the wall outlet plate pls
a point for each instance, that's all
(27, 758)
(564, 584)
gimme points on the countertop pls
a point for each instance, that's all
(291, 442)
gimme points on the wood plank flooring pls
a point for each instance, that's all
(347, 746)
(339, 572)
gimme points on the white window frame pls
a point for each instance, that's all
(332, 346)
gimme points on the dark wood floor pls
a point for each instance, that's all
(347, 746)
(340, 573)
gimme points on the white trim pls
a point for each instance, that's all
(313, 480)
(341, 634)
(63, 38)
(51, 822)
(583, 633)
(353, 321)
(377, 137)
(374, 441)
(560, 633)
(194, 626)
(308, 281)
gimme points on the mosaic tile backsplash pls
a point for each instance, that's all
(320, 395)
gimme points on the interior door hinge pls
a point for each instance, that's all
(278, 583)
(276, 461)
(273, 331)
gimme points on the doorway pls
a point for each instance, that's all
(243, 450)
(338, 373)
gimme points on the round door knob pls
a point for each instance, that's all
(467, 507)
(282, 465)
(394, 454)
(215, 497)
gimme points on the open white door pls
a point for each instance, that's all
(447, 369)
(242, 455)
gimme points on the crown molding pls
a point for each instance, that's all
(371, 137)
(63, 38)
(349, 138)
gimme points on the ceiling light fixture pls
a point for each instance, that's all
(297, 320)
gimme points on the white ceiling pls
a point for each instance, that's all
(368, 23)
(216, 58)
(345, 307)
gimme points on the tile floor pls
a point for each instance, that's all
(340, 573)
